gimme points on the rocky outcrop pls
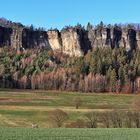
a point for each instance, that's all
(34, 39)
(113, 37)
(138, 38)
(73, 41)
(16, 38)
(55, 41)
(100, 37)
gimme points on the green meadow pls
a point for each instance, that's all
(20, 108)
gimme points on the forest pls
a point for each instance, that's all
(100, 70)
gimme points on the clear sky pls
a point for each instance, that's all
(58, 13)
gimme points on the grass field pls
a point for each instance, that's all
(20, 108)
(68, 134)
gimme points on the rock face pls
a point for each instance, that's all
(73, 41)
(70, 41)
(16, 38)
(138, 38)
(5, 36)
(34, 39)
(55, 41)
(114, 37)
(131, 39)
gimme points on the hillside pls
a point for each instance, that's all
(104, 58)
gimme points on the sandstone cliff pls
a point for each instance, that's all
(16, 38)
(73, 41)
(55, 41)
(34, 39)
(114, 37)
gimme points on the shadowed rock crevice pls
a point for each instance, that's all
(5, 36)
(131, 36)
(117, 35)
(34, 39)
(84, 41)
(108, 38)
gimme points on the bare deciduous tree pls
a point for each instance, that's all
(77, 102)
(106, 119)
(77, 124)
(58, 117)
(136, 119)
(129, 119)
(116, 119)
(91, 119)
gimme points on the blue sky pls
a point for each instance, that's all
(58, 13)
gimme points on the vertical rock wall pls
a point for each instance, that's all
(55, 41)
(34, 39)
(16, 38)
(73, 41)
(5, 36)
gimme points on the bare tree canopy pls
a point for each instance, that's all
(91, 119)
(58, 117)
(77, 102)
